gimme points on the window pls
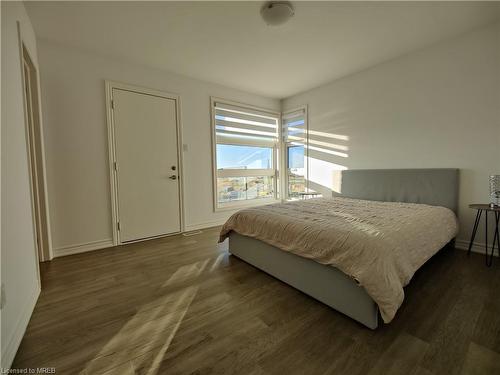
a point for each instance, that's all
(296, 160)
(246, 144)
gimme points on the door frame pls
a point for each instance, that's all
(115, 215)
(34, 138)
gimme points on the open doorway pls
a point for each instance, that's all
(35, 156)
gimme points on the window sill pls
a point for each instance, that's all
(238, 206)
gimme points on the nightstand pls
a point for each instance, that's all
(496, 237)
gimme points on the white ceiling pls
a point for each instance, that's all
(228, 43)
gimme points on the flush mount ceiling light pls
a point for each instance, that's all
(277, 12)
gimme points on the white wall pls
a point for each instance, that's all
(437, 107)
(18, 257)
(76, 140)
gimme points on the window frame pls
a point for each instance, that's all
(227, 173)
(285, 144)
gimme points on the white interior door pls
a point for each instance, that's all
(145, 128)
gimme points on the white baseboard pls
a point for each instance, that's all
(96, 245)
(82, 248)
(476, 247)
(10, 350)
(208, 224)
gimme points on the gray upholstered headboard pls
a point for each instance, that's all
(436, 187)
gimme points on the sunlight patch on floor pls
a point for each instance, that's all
(217, 261)
(187, 271)
(154, 366)
(153, 327)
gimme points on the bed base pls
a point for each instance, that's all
(324, 283)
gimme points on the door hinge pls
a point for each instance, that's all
(115, 165)
(118, 226)
(112, 104)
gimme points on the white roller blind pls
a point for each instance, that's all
(294, 127)
(236, 125)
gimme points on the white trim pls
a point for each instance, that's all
(180, 158)
(151, 238)
(205, 225)
(192, 233)
(109, 86)
(45, 196)
(213, 136)
(28, 150)
(83, 247)
(476, 247)
(14, 341)
(42, 147)
(111, 159)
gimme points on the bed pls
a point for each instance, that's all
(348, 277)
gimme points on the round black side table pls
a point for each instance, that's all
(496, 237)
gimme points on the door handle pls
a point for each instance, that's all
(173, 177)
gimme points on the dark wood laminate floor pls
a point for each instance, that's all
(182, 305)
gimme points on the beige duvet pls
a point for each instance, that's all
(379, 244)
